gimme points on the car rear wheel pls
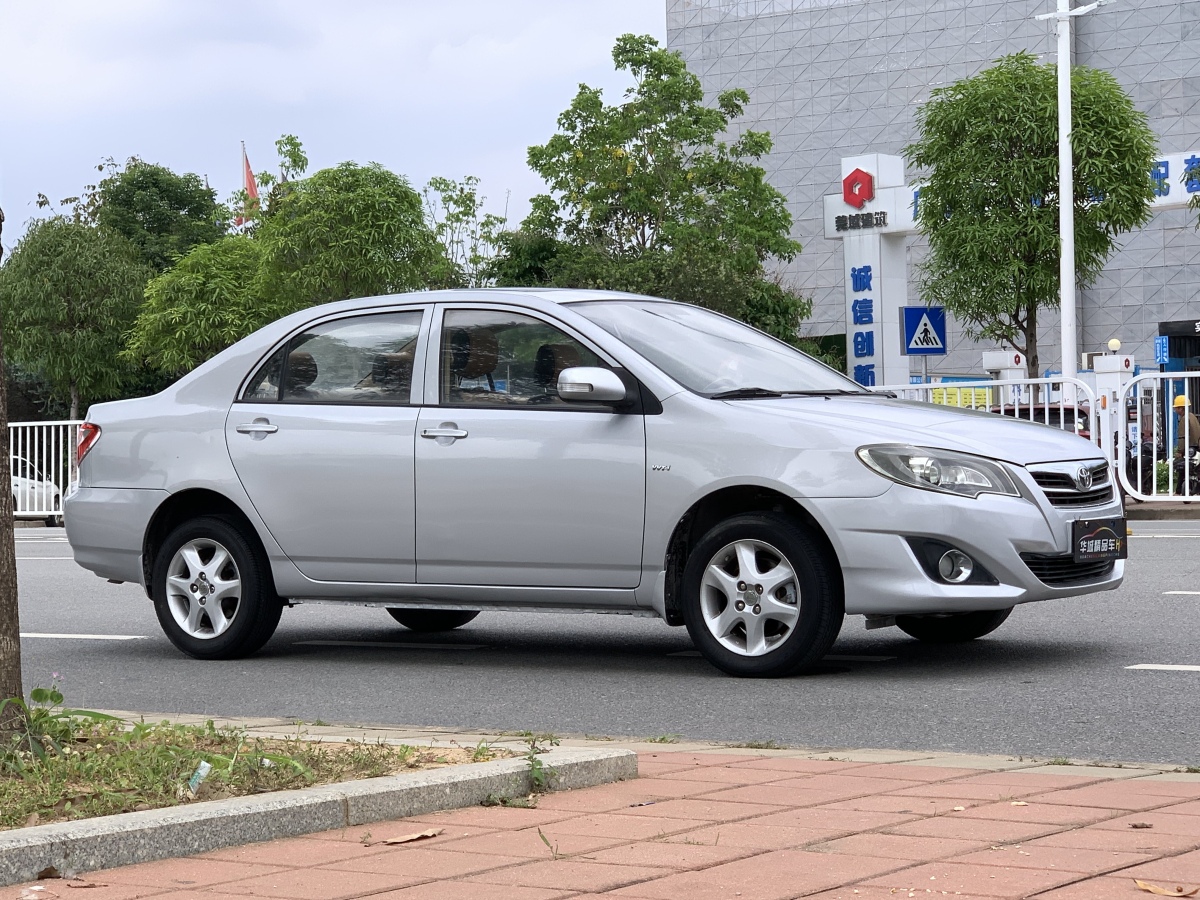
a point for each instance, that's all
(55, 519)
(952, 629)
(211, 591)
(428, 620)
(760, 597)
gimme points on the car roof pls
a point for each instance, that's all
(562, 296)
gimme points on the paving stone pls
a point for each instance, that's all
(776, 875)
(845, 821)
(703, 808)
(1161, 822)
(986, 881)
(925, 806)
(1131, 840)
(296, 852)
(316, 884)
(771, 793)
(763, 837)
(990, 830)
(419, 864)
(572, 874)
(1042, 856)
(899, 846)
(629, 828)
(1108, 887)
(176, 873)
(812, 766)
(528, 843)
(663, 854)
(1182, 868)
(467, 890)
(1045, 813)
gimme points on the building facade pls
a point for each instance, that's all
(839, 78)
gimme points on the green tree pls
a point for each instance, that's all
(467, 235)
(987, 152)
(348, 231)
(645, 195)
(68, 294)
(195, 310)
(162, 213)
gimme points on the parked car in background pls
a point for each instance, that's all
(445, 453)
(34, 495)
(1066, 417)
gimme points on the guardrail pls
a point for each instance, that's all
(43, 464)
(1159, 459)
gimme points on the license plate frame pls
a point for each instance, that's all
(1096, 540)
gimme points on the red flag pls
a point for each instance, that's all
(251, 187)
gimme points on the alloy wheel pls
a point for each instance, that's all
(749, 597)
(204, 588)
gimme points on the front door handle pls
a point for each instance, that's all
(445, 431)
(258, 429)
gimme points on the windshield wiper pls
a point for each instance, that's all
(745, 393)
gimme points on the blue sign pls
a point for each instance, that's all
(924, 330)
(1160, 350)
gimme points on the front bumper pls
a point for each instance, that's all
(882, 575)
(106, 528)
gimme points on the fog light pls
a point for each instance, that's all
(955, 566)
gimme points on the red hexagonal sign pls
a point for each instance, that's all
(857, 188)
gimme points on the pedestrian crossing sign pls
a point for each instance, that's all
(924, 330)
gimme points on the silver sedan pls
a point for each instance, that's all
(438, 454)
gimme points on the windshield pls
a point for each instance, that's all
(712, 354)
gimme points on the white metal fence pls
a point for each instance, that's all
(43, 464)
(1159, 459)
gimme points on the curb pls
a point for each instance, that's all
(1150, 512)
(128, 838)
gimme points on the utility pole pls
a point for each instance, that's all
(1066, 188)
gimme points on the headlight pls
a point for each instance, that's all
(939, 470)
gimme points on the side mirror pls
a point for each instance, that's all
(590, 384)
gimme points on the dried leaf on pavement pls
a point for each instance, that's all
(1176, 891)
(420, 835)
(1140, 825)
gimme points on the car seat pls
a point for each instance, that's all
(301, 373)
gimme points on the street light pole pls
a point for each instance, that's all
(1066, 187)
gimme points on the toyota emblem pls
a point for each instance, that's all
(1083, 479)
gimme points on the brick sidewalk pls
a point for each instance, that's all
(723, 826)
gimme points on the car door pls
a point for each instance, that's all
(514, 485)
(322, 440)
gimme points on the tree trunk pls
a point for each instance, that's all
(10, 624)
(74, 400)
(1032, 362)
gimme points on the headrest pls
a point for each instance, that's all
(551, 360)
(473, 352)
(301, 370)
(391, 368)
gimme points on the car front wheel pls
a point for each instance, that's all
(954, 628)
(428, 620)
(760, 597)
(211, 591)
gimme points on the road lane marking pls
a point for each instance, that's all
(62, 540)
(84, 637)
(390, 645)
(1165, 535)
(1166, 668)
(27, 558)
(1181, 593)
(831, 658)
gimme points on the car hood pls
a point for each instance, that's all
(882, 420)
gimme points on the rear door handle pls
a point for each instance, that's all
(259, 428)
(443, 432)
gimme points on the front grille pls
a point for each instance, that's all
(1057, 570)
(1058, 484)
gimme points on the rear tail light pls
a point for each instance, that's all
(88, 435)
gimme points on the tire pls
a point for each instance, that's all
(239, 590)
(428, 620)
(55, 520)
(800, 601)
(952, 629)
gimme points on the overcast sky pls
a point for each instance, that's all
(425, 87)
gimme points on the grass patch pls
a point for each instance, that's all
(1058, 761)
(759, 745)
(664, 739)
(74, 764)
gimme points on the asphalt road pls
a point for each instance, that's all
(1053, 681)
